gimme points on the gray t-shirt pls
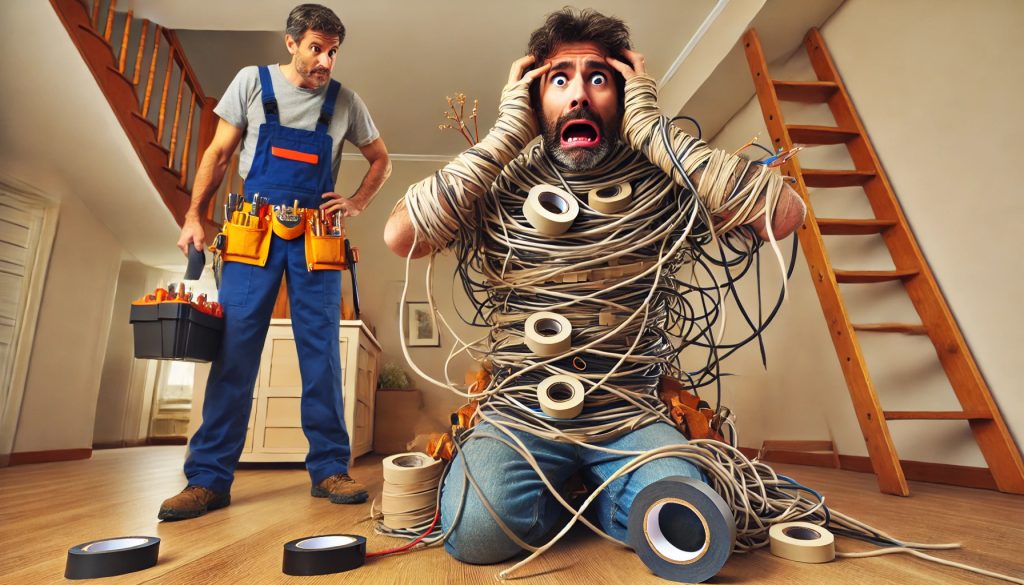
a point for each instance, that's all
(242, 107)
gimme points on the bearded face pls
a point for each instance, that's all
(579, 106)
(580, 140)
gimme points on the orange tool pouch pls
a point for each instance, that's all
(691, 414)
(289, 223)
(324, 252)
(248, 244)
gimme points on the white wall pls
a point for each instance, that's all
(938, 88)
(71, 333)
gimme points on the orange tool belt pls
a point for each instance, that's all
(246, 237)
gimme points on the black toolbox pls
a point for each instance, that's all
(175, 331)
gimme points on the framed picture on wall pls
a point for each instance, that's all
(422, 328)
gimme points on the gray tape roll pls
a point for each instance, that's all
(681, 529)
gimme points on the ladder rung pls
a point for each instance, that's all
(823, 178)
(907, 328)
(934, 415)
(804, 91)
(819, 134)
(853, 227)
(869, 276)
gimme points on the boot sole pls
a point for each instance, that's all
(353, 498)
(175, 514)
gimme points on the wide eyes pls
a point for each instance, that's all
(561, 79)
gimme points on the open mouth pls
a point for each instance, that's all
(580, 133)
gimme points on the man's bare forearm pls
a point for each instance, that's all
(374, 179)
(208, 178)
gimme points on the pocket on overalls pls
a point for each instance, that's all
(248, 245)
(325, 252)
(293, 162)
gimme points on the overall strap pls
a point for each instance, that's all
(327, 110)
(269, 101)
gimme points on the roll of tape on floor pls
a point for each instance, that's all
(323, 555)
(406, 468)
(111, 556)
(406, 503)
(803, 542)
(404, 489)
(611, 199)
(548, 334)
(681, 529)
(560, 396)
(550, 210)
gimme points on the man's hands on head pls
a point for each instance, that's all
(636, 66)
(521, 72)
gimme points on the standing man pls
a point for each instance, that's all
(291, 120)
(588, 96)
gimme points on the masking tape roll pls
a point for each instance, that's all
(323, 555)
(610, 199)
(560, 396)
(405, 504)
(681, 529)
(111, 556)
(803, 542)
(548, 334)
(411, 520)
(404, 489)
(406, 468)
(550, 210)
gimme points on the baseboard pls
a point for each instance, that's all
(959, 475)
(27, 457)
(179, 440)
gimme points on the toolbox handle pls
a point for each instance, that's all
(196, 262)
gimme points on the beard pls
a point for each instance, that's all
(578, 158)
(309, 73)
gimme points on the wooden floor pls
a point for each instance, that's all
(47, 508)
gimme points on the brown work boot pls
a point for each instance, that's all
(341, 489)
(193, 501)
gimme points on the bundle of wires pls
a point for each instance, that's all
(628, 330)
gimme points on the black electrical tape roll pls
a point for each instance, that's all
(323, 555)
(681, 529)
(111, 556)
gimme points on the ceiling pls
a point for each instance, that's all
(404, 56)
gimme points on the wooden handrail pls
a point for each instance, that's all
(180, 143)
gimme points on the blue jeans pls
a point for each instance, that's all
(517, 494)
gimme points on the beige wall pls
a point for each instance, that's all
(71, 333)
(119, 407)
(937, 87)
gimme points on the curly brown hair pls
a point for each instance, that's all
(569, 25)
(314, 17)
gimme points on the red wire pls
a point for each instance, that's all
(411, 544)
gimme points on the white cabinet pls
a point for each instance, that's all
(275, 424)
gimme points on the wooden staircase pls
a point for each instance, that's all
(154, 94)
(911, 269)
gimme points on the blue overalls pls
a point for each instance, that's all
(248, 293)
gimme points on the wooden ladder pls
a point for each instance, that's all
(978, 409)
